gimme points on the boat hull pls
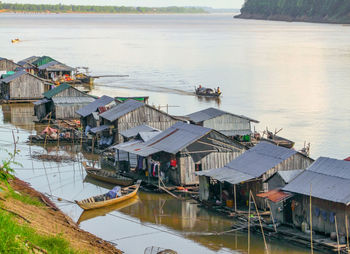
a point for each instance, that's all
(124, 181)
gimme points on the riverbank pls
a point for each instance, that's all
(23, 210)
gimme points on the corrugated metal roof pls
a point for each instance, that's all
(289, 175)
(251, 164)
(275, 195)
(121, 109)
(14, 76)
(100, 128)
(172, 140)
(41, 101)
(93, 106)
(326, 178)
(145, 136)
(72, 100)
(210, 113)
(42, 60)
(55, 66)
(132, 132)
(49, 94)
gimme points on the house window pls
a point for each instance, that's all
(198, 167)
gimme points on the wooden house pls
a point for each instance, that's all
(248, 172)
(62, 102)
(327, 181)
(28, 65)
(7, 65)
(89, 114)
(54, 69)
(23, 86)
(132, 113)
(181, 150)
(227, 123)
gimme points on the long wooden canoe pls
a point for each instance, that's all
(127, 193)
(107, 176)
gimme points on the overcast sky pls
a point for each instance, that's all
(145, 3)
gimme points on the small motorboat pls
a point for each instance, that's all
(277, 140)
(107, 176)
(105, 200)
(207, 92)
(15, 40)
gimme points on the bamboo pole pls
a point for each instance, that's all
(262, 230)
(48, 125)
(249, 224)
(235, 193)
(347, 233)
(311, 242)
(336, 230)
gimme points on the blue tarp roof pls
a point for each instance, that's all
(326, 178)
(93, 106)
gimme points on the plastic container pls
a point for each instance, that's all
(229, 203)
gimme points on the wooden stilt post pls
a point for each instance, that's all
(262, 230)
(93, 144)
(220, 192)
(347, 233)
(311, 241)
(48, 125)
(336, 230)
(235, 198)
(249, 224)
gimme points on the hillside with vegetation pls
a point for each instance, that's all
(325, 11)
(60, 8)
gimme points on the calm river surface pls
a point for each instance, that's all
(293, 76)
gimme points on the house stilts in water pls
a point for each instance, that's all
(23, 86)
(327, 183)
(229, 124)
(132, 113)
(177, 153)
(233, 182)
(62, 103)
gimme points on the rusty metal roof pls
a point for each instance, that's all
(275, 195)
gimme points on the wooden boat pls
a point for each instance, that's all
(90, 214)
(127, 193)
(107, 176)
(208, 92)
(15, 40)
(277, 140)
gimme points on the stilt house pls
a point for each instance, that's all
(61, 102)
(227, 123)
(248, 172)
(7, 65)
(327, 182)
(133, 113)
(23, 86)
(181, 150)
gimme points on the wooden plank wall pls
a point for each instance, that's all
(26, 87)
(71, 92)
(7, 65)
(227, 122)
(67, 111)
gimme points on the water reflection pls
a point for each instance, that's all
(21, 115)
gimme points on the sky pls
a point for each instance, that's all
(233, 4)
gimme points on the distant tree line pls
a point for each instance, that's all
(96, 9)
(326, 10)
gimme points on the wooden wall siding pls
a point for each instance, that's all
(213, 160)
(67, 111)
(227, 122)
(144, 115)
(71, 92)
(7, 65)
(297, 161)
(302, 213)
(40, 111)
(26, 87)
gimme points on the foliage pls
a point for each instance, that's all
(314, 10)
(95, 9)
(6, 167)
(16, 238)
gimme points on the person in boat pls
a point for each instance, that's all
(218, 90)
(114, 193)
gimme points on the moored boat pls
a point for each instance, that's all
(104, 200)
(208, 92)
(107, 176)
(277, 140)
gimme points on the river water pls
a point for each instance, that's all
(287, 75)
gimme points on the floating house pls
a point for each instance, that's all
(61, 102)
(89, 114)
(248, 172)
(23, 86)
(133, 113)
(281, 178)
(54, 69)
(28, 65)
(327, 182)
(180, 151)
(227, 123)
(7, 65)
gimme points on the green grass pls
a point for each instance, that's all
(23, 197)
(13, 238)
